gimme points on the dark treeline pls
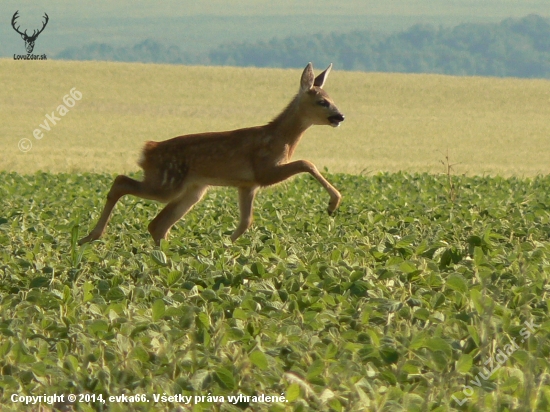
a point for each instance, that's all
(513, 47)
(148, 51)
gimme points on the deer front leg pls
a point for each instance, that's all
(246, 200)
(282, 172)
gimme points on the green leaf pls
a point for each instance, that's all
(209, 295)
(21, 355)
(173, 277)
(238, 313)
(331, 351)
(5, 348)
(439, 344)
(203, 319)
(235, 334)
(389, 354)
(477, 300)
(422, 314)
(464, 363)
(74, 235)
(87, 289)
(315, 369)
(98, 325)
(259, 359)
(373, 337)
(225, 378)
(458, 283)
(66, 294)
(257, 269)
(411, 367)
(140, 354)
(62, 349)
(72, 363)
(335, 404)
(39, 282)
(292, 392)
(159, 308)
(171, 311)
(407, 267)
(521, 356)
(479, 256)
(115, 294)
(405, 242)
(451, 255)
(39, 368)
(199, 379)
(159, 257)
(440, 360)
(474, 335)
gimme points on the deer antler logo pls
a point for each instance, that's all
(29, 40)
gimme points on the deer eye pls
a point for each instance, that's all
(324, 103)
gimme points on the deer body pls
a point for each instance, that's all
(178, 171)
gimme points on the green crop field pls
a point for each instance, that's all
(394, 122)
(414, 293)
(427, 291)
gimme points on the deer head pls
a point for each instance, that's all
(311, 87)
(29, 40)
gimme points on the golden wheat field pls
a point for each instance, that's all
(393, 121)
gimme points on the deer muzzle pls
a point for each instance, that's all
(336, 119)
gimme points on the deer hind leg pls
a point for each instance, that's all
(246, 200)
(283, 172)
(123, 185)
(174, 211)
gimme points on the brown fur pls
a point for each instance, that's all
(178, 171)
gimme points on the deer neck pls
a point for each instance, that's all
(289, 126)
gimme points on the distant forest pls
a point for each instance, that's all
(513, 47)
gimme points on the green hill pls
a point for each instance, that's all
(510, 48)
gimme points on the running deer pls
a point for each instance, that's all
(178, 171)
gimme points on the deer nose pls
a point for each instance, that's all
(336, 119)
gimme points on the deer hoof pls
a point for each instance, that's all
(94, 235)
(333, 205)
(86, 239)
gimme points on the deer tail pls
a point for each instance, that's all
(145, 159)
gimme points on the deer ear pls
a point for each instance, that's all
(308, 78)
(322, 78)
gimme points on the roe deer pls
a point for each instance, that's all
(178, 171)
